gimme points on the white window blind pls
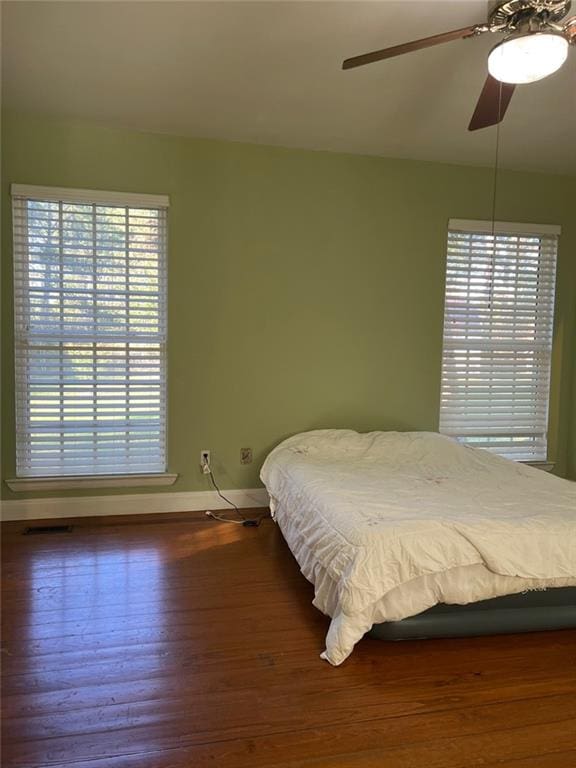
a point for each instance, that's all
(90, 332)
(498, 324)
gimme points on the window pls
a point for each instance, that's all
(90, 332)
(498, 323)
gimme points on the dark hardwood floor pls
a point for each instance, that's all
(174, 641)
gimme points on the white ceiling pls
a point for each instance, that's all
(269, 72)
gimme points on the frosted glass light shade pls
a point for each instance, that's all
(527, 58)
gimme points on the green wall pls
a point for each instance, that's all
(571, 469)
(305, 288)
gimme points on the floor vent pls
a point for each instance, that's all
(48, 529)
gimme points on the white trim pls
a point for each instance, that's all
(133, 504)
(508, 227)
(22, 484)
(92, 196)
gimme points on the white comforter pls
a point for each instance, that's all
(387, 524)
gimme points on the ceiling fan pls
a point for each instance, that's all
(535, 45)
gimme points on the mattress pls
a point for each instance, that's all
(530, 611)
(388, 524)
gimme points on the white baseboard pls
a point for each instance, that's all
(130, 504)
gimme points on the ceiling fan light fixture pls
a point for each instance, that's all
(527, 58)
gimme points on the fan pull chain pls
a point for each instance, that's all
(496, 162)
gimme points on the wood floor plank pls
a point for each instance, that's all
(552, 760)
(181, 642)
(94, 686)
(445, 740)
(459, 752)
(228, 746)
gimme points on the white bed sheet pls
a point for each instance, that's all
(387, 524)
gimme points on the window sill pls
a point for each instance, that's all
(23, 484)
(546, 466)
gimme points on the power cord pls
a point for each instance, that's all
(246, 522)
(219, 492)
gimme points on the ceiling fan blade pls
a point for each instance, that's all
(492, 104)
(415, 45)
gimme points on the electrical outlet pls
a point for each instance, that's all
(205, 462)
(245, 455)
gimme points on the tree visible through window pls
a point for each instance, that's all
(90, 332)
(498, 325)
